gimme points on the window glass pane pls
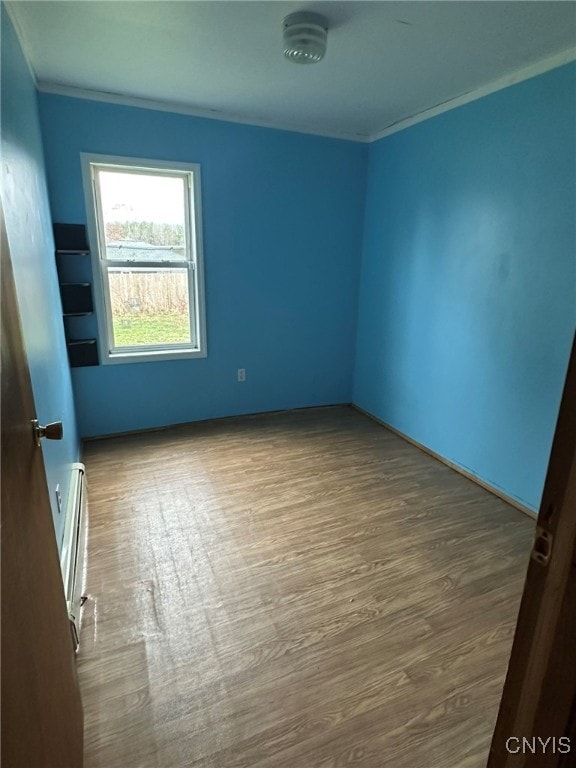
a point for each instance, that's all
(143, 216)
(150, 307)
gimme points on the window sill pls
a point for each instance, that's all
(115, 358)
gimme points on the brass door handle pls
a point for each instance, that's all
(52, 431)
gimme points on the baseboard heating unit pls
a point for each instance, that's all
(73, 558)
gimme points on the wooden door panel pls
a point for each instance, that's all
(539, 698)
(42, 719)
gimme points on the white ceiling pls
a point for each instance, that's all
(386, 61)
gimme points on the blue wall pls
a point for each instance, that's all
(467, 296)
(29, 228)
(283, 217)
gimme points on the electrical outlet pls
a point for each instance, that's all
(59, 499)
(241, 374)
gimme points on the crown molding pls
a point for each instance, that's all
(21, 39)
(539, 68)
(533, 70)
(60, 89)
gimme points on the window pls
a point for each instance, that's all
(144, 225)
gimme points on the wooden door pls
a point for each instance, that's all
(42, 719)
(536, 725)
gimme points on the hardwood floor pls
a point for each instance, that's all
(294, 590)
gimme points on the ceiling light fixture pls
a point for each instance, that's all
(305, 36)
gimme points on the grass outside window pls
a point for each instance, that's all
(151, 329)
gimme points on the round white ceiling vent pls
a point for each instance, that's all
(305, 36)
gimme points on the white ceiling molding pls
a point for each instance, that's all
(182, 109)
(539, 68)
(552, 62)
(21, 39)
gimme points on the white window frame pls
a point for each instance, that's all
(100, 265)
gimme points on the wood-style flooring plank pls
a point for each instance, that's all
(293, 590)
